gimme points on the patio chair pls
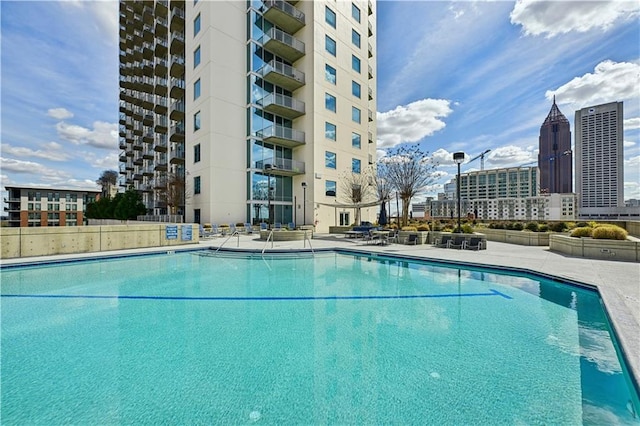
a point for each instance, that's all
(368, 237)
(443, 242)
(263, 226)
(248, 228)
(278, 226)
(393, 236)
(206, 232)
(456, 243)
(474, 243)
(411, 239)
(291, 226)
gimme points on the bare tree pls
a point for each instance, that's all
(358, 189)
(174, 193)
(107, 180)
(407, 170)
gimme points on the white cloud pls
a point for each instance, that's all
(103, 13)
(511, 156)
(610, 81)
(104, 135)
(560, 17)
(445, 158)
(59, 113)
(631, 190)
(412, 122)
(632, 123)
(32, 168)
(52, 151)
(108, 162)
(628, 144)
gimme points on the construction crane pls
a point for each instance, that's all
(481, 157)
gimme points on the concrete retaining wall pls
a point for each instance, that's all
(45, 241)
(523, 238)
(624, 250)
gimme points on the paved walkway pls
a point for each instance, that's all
(618, 282)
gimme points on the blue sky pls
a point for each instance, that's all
(452, 76)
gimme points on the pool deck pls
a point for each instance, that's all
(617, 282)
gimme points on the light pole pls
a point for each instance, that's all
(458, 157)
(268, 168)
(304, 203)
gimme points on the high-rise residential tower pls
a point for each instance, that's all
(599, 159)
(555, 157)
(257, 108)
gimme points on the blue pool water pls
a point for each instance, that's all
(188, 338)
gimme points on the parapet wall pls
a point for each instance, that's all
(45, 241)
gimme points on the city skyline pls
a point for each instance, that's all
(478, 88)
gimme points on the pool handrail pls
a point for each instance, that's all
(235, 232)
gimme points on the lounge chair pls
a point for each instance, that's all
(278, 226)
(457, 242)
(206, 232)
(263, 226)
(474, 243)
(248, 228)
(291, 226)
(411, 239)
(443, 242)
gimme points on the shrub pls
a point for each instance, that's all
(467, 229)
(609, 232)
(582, 224)
(558, 227)
(517, 226)
(532, 226)
(543, 227)
(409, 228)
(423, 227)
(581, 231)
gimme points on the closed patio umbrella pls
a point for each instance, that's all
(382, 220)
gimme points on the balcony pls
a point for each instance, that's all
(162, 47)
(177, 133)
(162, 7)
(370, 137)
(177, 43)
(148, 137)
(370, 29)
(147, 50)
(281, 166)
(370, 8)
(284, 106)
(284, 15)
(146, 100)
(161, 123)
(161, 162)
(370, 72)
(160, 143)
(177, 110)
(147, 119)
(283, 136)
(147, 33)
(161, 86)
(161, 27)
(283, 44)
(176, 156)
(370, 93)
(282, 75)
(147, 152)
(161, 105)
(177, 88)
(177, 66)
(161, 68)
(370, 115)
(370, 50)
(147, 14)
(177, 19)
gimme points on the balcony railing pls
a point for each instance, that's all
(281, 166)
(283, 44)
(284, 15)
(282, 75)
(282, 105)
(282, 136)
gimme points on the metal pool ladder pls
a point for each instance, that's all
(270, 237)
(228, 238)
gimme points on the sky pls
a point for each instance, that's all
(453, 76)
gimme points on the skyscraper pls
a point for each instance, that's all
(555, 157)
(599, 159)
(255, 108)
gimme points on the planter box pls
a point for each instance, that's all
(624, 250)
(339, 229)
(422, 236)
(523, 238)
(297, 235)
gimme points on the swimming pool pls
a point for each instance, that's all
(189, 338)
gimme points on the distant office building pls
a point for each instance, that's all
(42, 206)
(555, 158)
(599, 160)
(513, 182)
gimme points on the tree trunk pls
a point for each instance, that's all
(405, 211)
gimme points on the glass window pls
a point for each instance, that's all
(330, 131)
(196, 25)
(330, 45)
(330, 188)
(355, 63)
(355, 140)
(330, 159)
(355, 38)
(355, 89)
(196, 57)
(196, 153)
(355, 12)
(330, 16)
(355, 114)
(196, 89)
(196, 121)
(330, 74)
(330, 102)
(355, 165)
(196, 185)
